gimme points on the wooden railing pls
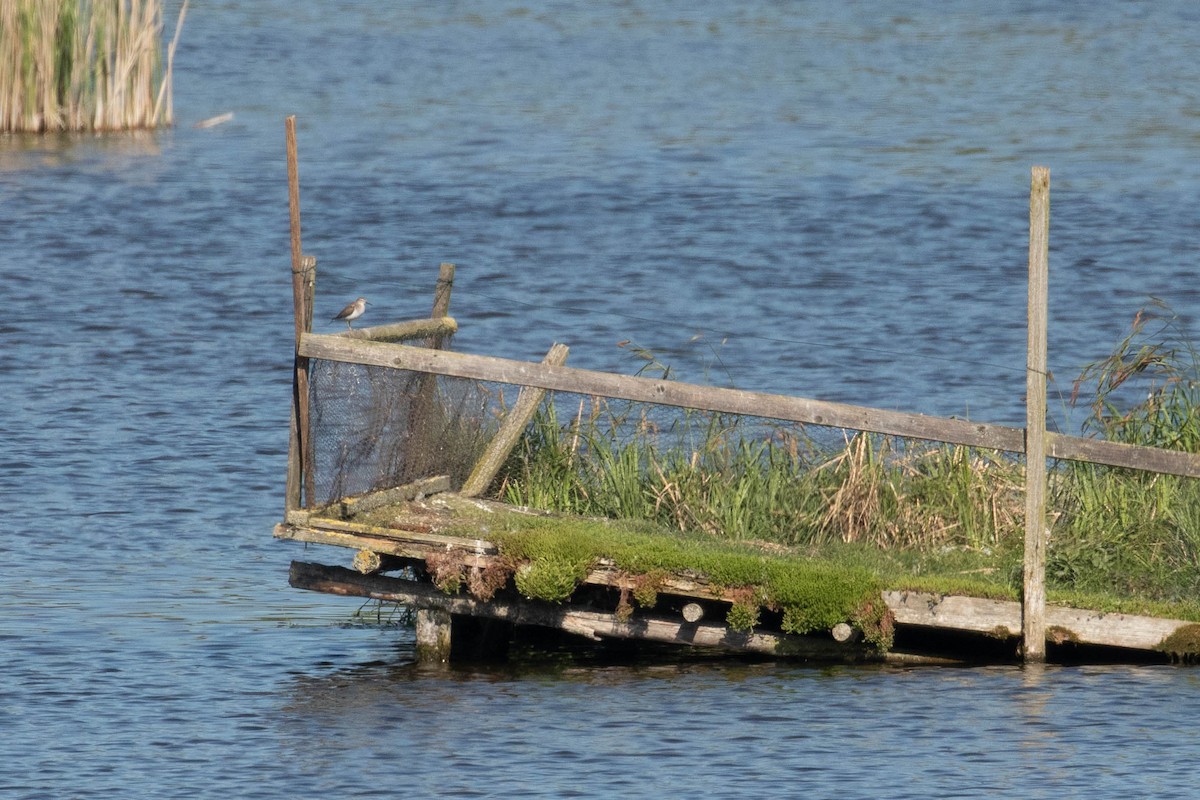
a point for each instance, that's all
(337, 347)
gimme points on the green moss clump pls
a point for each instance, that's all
(549, 579)
(1183, 643)
(742, 617)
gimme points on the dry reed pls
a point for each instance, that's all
(84, 65)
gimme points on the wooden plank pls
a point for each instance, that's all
(590, 624)
(510, 431)
(1033, 616)
(1116, 454)
(1002, 618)
(362, 503)
(1110, 630)
(402, 331)
(671, 393)
(403, 544)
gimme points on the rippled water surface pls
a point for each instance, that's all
(825, 199)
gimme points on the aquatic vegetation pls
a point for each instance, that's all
(1184, 644)
(1121, 530)
(84, 65)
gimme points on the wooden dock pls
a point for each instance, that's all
(689, 613)
(415, 534)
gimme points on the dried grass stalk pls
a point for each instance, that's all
(84, 65)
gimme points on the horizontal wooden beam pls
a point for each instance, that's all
(670, 393)
(403, 544)
(736, 401)
(1002, 618)
(402, 331)
(362, 503)
(1116, 454)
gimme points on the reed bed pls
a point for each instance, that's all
(914, 510)
(85, 65)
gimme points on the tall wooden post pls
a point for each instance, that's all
(299, 474)
(1033, 616)
(425, 424)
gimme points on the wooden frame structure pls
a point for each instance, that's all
(381, 347)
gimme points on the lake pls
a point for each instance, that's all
(825, 199)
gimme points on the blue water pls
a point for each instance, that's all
(826, 199)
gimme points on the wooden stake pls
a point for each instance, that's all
(1033, 609)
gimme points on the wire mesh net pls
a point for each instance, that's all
(375, 428)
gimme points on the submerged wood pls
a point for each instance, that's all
(433, 635)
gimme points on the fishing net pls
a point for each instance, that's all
(376, 428)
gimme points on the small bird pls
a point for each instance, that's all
(352, 311)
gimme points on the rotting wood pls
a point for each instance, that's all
(736, 401)
(1002, 618)
(369, 562)
(361, 504)
(510, 431)
(590, 624)
(402, 331)
(403, 544)
(433, 634)
(1033, 591)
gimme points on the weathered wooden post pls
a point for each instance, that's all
(433, 635)
(304, 273)
(425, 423)
(1033, 609)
